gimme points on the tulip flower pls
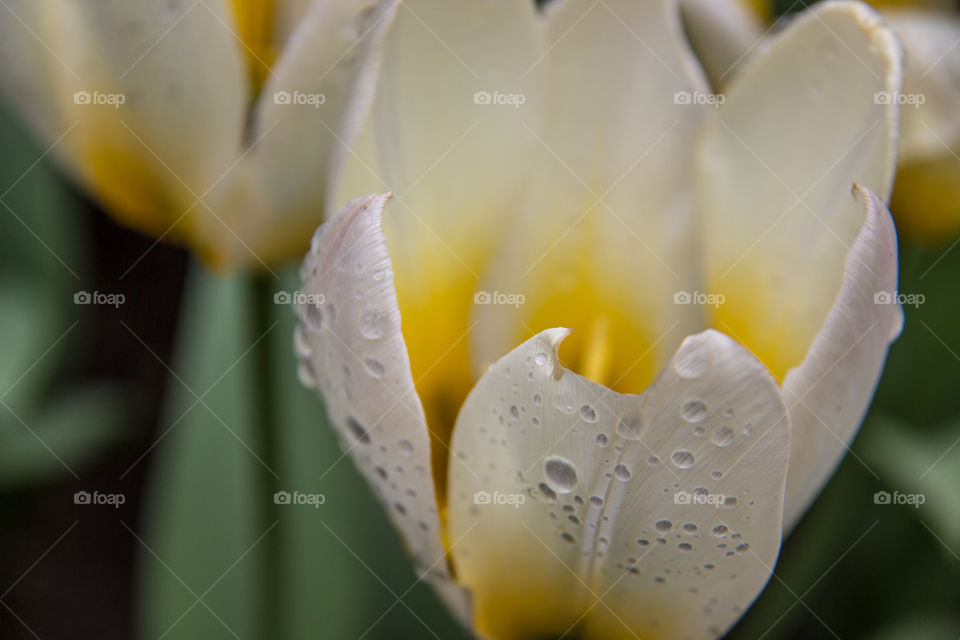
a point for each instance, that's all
(614, 331)
(206, 123)
(926, 197)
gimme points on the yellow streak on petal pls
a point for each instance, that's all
(255, 27)
(926, 199)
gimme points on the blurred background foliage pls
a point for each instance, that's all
(161, 399)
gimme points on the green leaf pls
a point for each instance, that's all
(202, 559)
(65, 437)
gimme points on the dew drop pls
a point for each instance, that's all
(588, 414)
(374, 324)
(537, 400)
(630, 426)
(405, 447)
(730, 501)
(596, 501)
(358, 431)
(682, 459)
(694, 411)
(514, 412)
(685, 547)
(373, 367)
(690, 528)
(663, 526)
(723, 437)
(548, 493)
(602, 440)
(621, 472)
(561, 474)
(541, 359)
(313, 317)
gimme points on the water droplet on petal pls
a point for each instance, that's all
(663, 526)
(373, 368)
(374, 324)
(358, 431)
(405, 447)
(694, 411)
(602, 440)
(312, 317)
(588, 414)
(561, 474)
(621, 472)
(630, 426)
(723, 437)
(682, 459)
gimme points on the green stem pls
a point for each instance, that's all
(262, 289)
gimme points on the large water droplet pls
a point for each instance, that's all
(621, 472)
(694, 358)
(694, 411)
(723, 437)
(374, 324)
(682, 459)
(549, 494)
(561, 474)
(663, 526)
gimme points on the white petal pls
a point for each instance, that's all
(604, 235)
(801, 123)
(351, 326)
(931, 75)
(180, 76)
(311, 106)
(828, 394)
(457, 165)
(723, 33)
(597, 474)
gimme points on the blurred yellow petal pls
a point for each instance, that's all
(926, 196)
